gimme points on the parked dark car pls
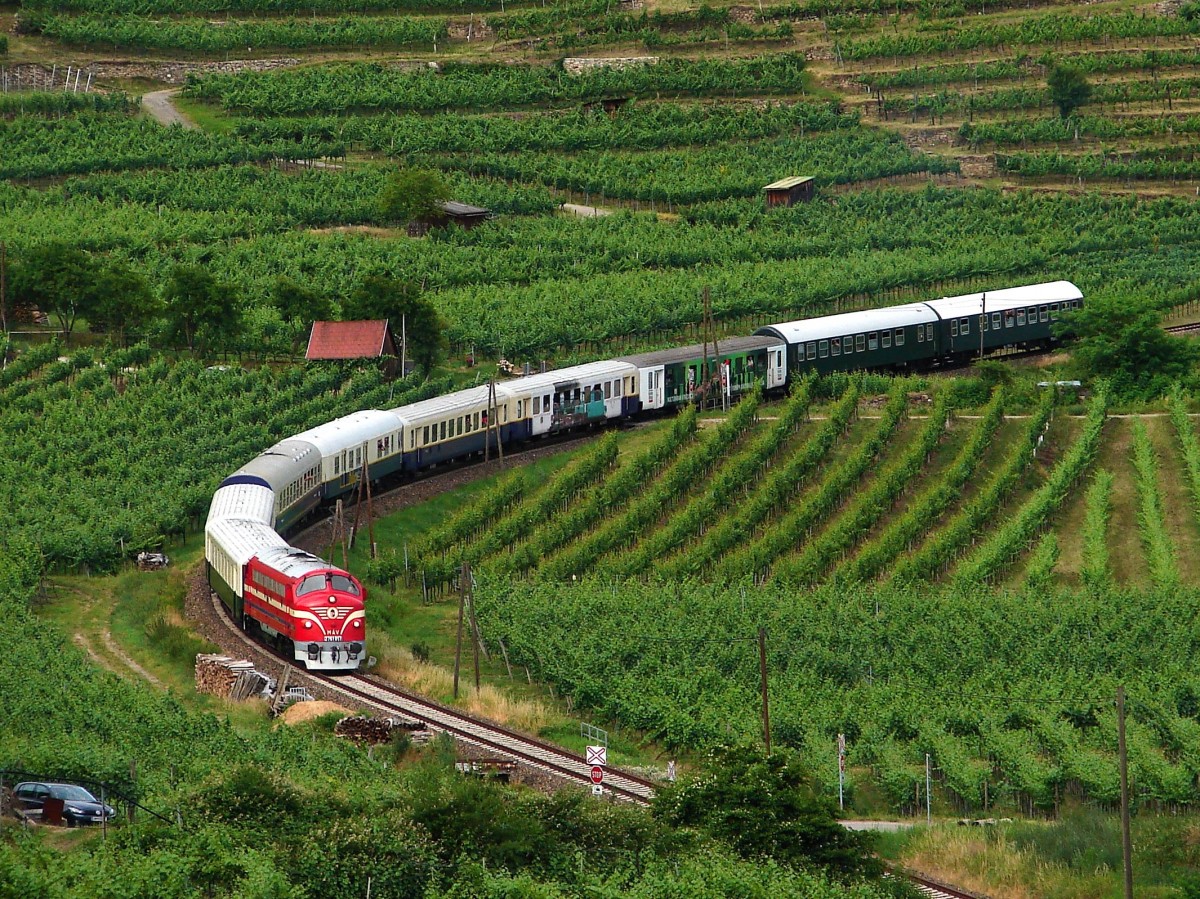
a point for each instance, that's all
(79, 806)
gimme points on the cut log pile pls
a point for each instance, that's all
(365, 730)
(230, 678)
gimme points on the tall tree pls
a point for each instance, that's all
(413, 195)
(401, 303)
(299, 307)
(125, 304)
(58, 279)
(1069, 89)
(202, 312)
(1120, 338)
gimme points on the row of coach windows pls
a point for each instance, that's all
(298, 488)
(854, 343)
(453, 428)
(1016, 318)
(354, 460)
(269, 583)
(960, 326)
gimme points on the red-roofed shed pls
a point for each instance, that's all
(351, 340)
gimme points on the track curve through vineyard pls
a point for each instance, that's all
(376, 695)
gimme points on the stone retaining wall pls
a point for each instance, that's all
(578, 65)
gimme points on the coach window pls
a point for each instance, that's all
(983, 323)
(477, 421)
(873, 340)
(520, 408)
(823, 349)
(537, 405)
(608, 390)
(953, 327)
(504, 413)
(886, 339)
(964, 326)
(995, 321)
(1045, 313)
(1032, 313)
(835, 348)
(442, 430)
(619, 386)
(899, 337)
(1008, 319)
(929, 332)
(860, 343)
(1020, 317)
(811, 350)
(920, 334)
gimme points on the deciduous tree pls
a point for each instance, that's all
(1069, 89)
(1120, 339)
(765, 807)
(202, 312)
(125, 304)
(60, 280)
(413, 195)
(401, 303)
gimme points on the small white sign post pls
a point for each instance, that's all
(597, 755)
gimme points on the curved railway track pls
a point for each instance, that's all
(539, 755)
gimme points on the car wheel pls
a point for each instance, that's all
(68, 821)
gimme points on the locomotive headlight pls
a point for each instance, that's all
(333, 599)
(308, 624)
(358, 622)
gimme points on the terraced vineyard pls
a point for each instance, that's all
(925, 569)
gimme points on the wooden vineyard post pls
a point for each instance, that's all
(1123, 758)
(762, 669)
(462, 598)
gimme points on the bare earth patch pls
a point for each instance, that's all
(299, 712)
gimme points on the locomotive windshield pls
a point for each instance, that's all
(316, 582)
(311, 584)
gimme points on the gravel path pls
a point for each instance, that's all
(159, 105)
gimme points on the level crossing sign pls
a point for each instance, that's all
(597, 755)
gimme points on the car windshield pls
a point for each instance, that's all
(71, 793)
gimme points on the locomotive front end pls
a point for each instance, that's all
(330, 621)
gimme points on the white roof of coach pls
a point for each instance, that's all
(291, 562)
(1009, 298)
(852, 323)
(247, 501)
(588, 373)
(350, 430)
(440, 406)
(243, 539)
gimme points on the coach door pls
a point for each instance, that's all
(654, 389)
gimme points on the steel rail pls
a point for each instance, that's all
(537, 753)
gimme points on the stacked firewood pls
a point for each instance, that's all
(362, 729)
(231, 678)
